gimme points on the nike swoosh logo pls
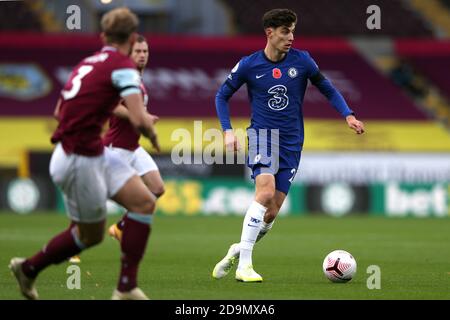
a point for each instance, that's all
(250, 225)
(260, 76)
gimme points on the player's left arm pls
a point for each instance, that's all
(334, 97)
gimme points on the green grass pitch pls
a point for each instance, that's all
(413, 254)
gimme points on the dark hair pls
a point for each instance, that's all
(140, 38)
(118, 24)
(279, 17)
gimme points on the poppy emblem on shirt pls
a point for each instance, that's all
(276, 73)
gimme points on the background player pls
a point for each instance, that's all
(276, 79)
(87, 172)
(123, 138)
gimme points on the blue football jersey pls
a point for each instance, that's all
(276, 91)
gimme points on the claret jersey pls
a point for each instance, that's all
(121, 133)
(92, 92)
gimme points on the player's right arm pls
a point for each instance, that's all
(234, 81)
(127, 81)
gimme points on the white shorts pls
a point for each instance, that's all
(139, 159)
(87, 182)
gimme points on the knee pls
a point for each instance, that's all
(147, 206)
(159, 191)
(265, 196)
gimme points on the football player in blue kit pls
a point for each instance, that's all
(276, 80)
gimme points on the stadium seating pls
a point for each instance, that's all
(17, 16)
(432, 62)
(398, 20)
(427, 60)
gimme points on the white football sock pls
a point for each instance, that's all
(265, 227)
(250, 230)
(236, 250)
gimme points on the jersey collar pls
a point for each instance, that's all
(108, 48)
(273, 62)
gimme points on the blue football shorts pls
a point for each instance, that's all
(283, 167)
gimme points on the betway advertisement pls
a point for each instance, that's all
(414, 200)
(334, 184)
(224, 197)
(396, 200)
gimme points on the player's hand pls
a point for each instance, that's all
(231, 142)
(153, 137)
(154, 118)
(151, 118)
(356, 125)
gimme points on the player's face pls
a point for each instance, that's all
(139, 54)
(282, 37)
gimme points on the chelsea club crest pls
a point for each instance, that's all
(292, 72)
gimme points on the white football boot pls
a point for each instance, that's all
(26, 284)
(247, 274)
(224, 266)
(133, 294)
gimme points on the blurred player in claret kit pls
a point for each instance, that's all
(276, 79)
(123, 138)
(87, 172)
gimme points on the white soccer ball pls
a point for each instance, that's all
(339, 266)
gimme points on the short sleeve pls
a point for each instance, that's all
(126, 80)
